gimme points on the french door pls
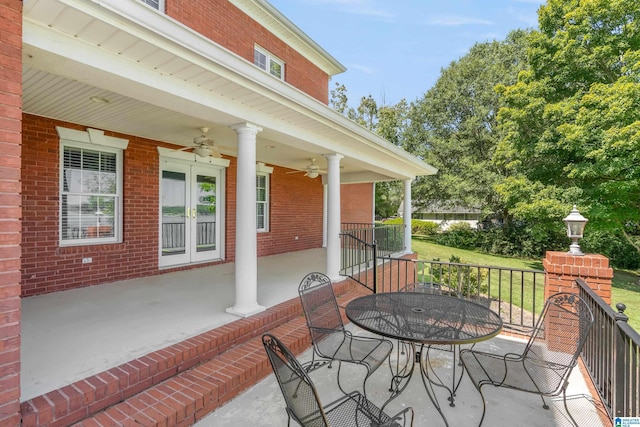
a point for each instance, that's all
(190, 213)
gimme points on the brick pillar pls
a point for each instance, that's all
(562, 269)
(10, 208)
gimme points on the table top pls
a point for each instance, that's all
(424, 318)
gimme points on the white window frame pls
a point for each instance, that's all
(155, 4)
(269, 58)
(264, 171)
(94, 140)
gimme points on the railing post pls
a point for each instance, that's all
(620, 365)
(375, 268)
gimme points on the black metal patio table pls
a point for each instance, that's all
(423, 319)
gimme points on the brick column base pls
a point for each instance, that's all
(563, 269)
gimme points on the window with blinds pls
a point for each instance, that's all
(89, 196)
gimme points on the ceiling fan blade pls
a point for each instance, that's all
(214, 152)
(294, 172)
(183, 149)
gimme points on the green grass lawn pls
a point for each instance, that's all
(626, 284)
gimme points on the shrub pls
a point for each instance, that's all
(458, 235)
(425, 228)
(469, 281)
(613, 245)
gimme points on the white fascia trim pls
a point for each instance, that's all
(91, 136)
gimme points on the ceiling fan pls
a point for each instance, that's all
(203, 146)
(311, 170)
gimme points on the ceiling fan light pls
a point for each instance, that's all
(202, 151)
(312, 174)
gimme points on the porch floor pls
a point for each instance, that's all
(70, 335)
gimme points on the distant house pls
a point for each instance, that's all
(445, 216)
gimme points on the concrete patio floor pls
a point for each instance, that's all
(70, 335)
(263, 405)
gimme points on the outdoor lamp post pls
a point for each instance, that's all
(575, 229)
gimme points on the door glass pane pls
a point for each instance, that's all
(173, 212)
(206, 213)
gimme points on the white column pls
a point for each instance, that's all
(246, 278)
(333, 215)
(406, 215)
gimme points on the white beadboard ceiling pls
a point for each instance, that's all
(164, 81)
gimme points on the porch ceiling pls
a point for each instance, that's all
(164, 81)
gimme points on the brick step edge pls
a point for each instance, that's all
(84, 398)
(189, 396)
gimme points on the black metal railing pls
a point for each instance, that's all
(612, 356)
(362, 244)
(357, 257)
(389, 238)
(517, 294)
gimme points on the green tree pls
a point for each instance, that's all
(390, 123)
(454, 126)
(571, 123)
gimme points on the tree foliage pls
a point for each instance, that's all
(454, 126)
(572, 121)
(526, 127)
(390, 123)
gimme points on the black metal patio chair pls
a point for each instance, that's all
(303, 403)
(331, 341)
(546, 362)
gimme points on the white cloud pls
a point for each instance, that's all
(457, 20)
(362, 68)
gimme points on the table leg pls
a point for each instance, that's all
(456, 379)
(429, 383)
(403, 372)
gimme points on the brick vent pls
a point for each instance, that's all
(180, 384)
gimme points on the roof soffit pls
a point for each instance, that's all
(307, 119)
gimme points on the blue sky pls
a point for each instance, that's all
(395, 49)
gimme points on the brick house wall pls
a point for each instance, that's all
(10, 208)
(295, 211)
(296, 214)
(356, 202)
(212, 19)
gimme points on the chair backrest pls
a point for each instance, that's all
(430, 288)
(558, 337)
(300, 395)
(320, 308)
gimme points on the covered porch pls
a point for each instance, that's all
(81, 336)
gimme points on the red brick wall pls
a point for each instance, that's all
(296, 214)
(296, 210)
(356, 202)
(10, 210)
(213, 18)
